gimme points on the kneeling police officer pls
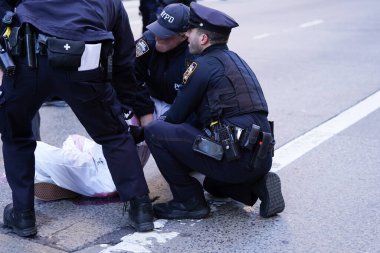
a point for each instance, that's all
(72, 49)
(233, 147)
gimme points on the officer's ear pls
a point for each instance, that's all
(205, 39)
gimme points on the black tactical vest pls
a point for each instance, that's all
(238, 91)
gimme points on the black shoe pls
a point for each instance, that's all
(195, 208)
(141, 213)
(23, 223)
(269, 191)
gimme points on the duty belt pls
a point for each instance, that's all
(232, 139)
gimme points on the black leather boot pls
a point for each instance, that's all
(268, 189)
(141, 213)
(194, 208)
(23, 223)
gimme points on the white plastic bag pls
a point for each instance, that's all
(78, 166)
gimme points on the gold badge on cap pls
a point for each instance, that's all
(189, 71)
(141, 47)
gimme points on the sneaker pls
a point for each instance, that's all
(22, 223)
(269, 191)
(49, 192)
(141, 213)
(195, 208)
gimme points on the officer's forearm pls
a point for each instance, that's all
(125, 85)
(143, 104)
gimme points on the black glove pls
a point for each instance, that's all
(137, 133)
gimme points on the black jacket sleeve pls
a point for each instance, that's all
(124, 79)
(190, 95)
(144, 47)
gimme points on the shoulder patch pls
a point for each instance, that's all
(141, 47)
(189, 71)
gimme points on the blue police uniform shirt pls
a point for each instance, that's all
(160, 72)
(193, 96)
(92, 22)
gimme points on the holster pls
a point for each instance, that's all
(263, 148)
(16, 41)
(259, 143)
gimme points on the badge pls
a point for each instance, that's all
(189, 71)
(141, 47)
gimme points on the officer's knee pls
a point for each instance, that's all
(153, 130)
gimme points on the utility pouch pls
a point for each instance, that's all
(264, 146)
(208, 147)
(248, 138)
(64, 53)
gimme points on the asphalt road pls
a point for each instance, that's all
(318, 63)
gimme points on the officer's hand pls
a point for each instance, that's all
(146, 119)
(137, 133)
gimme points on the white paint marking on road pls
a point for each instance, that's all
(306, 142)
(304, 25)
(311, 23)
(261, 36)
(136, 242)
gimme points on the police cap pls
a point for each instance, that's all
(173, 19)
(210, 19)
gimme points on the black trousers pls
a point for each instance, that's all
(95, 104)
(171, 147)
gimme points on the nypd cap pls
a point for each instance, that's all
(210, 19)
(173, 19)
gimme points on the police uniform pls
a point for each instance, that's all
(97, 104)
(158, 73)
(218, 85)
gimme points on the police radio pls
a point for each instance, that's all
(6, 62)
(226, 137)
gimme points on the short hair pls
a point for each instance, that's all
(215, 37)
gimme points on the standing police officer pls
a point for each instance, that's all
(74, 61)
(235, 151)
(4, 6)
(162, 57)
